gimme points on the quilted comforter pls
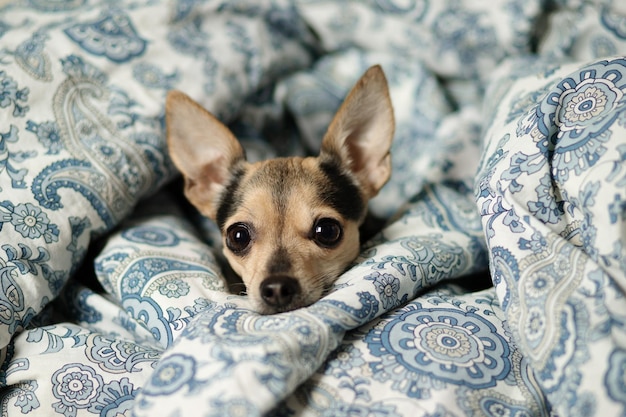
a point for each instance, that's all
(509, 166)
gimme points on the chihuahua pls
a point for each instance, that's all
(290, 226)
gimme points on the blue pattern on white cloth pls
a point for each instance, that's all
(532, 120)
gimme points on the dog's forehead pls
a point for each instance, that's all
(284, 183)
(279, 184)
(280, 176)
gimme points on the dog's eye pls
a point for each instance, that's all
(327, 233)
(238, 238)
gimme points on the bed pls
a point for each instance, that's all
(496, 287)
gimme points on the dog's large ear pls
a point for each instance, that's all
(202, 148)
(361, 132)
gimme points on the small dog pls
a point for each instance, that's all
(290, 226)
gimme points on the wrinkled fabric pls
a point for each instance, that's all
(508, 163)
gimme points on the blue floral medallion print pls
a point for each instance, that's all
(450, 345)
(29, 221)
(546, 202)
(172, 374)
(76, 386)
(582, 108)
(387, 286)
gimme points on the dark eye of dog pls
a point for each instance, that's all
(238, 238)
(327, 233)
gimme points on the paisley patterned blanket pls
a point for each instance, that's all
(509, 168)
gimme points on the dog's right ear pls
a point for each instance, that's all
(202, 148)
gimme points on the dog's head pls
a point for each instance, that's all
(290, 226)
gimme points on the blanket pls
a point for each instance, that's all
(496, 287)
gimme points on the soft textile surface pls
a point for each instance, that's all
(509, 160)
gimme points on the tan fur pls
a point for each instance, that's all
(281, 201)
(314, 267)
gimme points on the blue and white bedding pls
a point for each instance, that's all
(509, 162)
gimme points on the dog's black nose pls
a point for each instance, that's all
(279, 291)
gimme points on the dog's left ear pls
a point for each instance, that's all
(361, 132)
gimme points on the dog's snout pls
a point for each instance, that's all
(279, 291)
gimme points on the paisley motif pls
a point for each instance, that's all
(12, 297)
(547, 280)
(152, 235)
(79, 176)
(112, 171)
